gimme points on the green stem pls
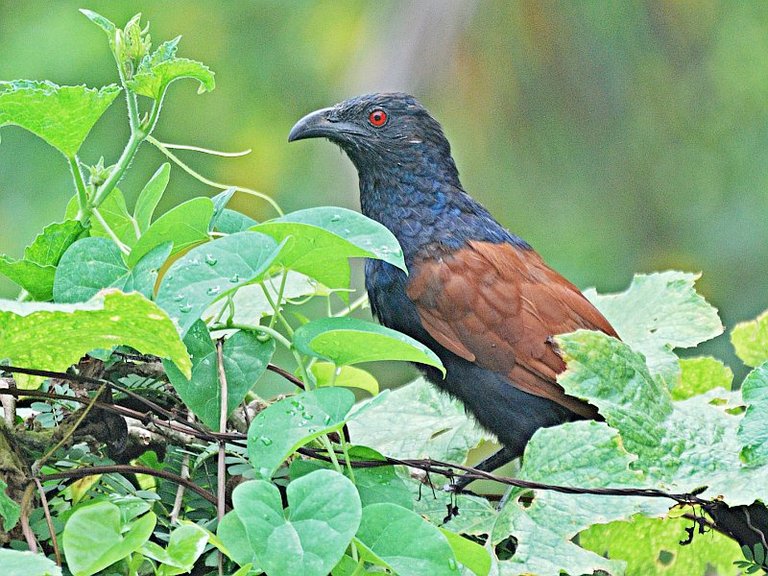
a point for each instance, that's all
(119, 169)
(352, 307)
(96, 214)
(160, 146)
(331, 452)
(82, 195)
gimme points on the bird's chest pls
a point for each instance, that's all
(386, 286)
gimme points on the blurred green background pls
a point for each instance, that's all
(616, 137)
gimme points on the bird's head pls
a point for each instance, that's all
(379, 130)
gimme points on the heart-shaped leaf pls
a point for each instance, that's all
(94, 537)
(322, 517)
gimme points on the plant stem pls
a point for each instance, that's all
(82, 195)
(96, 214)
(160, 146)
(134, 141)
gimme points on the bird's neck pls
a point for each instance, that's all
(425, 206)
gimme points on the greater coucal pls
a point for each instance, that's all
(480, 297)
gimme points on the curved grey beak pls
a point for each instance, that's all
(321, 124)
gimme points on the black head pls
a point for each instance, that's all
(378, 127)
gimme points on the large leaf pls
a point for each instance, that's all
(568, 455)
(55, 336)
(405, 542)
(61, 115)
(94, 537)
(750, 340)
(92, 264)
(699, 375)
(10, 511)
(681, 445)
(185, 225)
(251, 303)
(309, 537)
(208, 273)
(245, 360)
(346, 341)
(652, 546)
(657, 313)
(18, 563)
(279, 430)
(324, 238)
(437, 425)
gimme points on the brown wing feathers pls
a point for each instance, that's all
(498, 306)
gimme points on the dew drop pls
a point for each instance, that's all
(210, 260)
(179, 297)
(452, 564)
(213, 290)
(335, 217)
(327, 419)
(235, 279)
(184, 308)
(266, 441)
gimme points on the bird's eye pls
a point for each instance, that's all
(377, 118)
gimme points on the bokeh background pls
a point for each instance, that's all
(616, 137)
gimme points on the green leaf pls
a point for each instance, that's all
(55, 336)
(327, 374)
(468, 553)
(324, 238)
(115, 213)
(18, 563)
(231, 221)
(234, 538)
(219, 205)
(437, 425)
(658, 551)
(92, 264)
(100, 21)
(152, 80)
(94, 537)
(750, 340)
(660, 312)
(251, 304)
(150, 196)
(245, 360)
(9, 510)
(699, 375)
(50, 245)
(34, 278)
(89, 265)
(186, 544)
(405, 542)
(185, 225)
(208, 273)
(753, 430)
(683, 445)
(61, 115)
(346, 341)
(322, 516)
(586, 454)
(279, 430)
(36, 271)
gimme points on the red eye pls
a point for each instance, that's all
(377, 118)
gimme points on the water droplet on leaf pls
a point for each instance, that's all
(210, 260)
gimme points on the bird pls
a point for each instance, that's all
(476, 294)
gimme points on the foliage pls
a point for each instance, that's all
(183, 315)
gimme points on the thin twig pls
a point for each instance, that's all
(48, 520)
(131, 469)
(26, 529)
(285, 374)
(221, 466)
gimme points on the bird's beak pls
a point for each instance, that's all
(321, 124)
